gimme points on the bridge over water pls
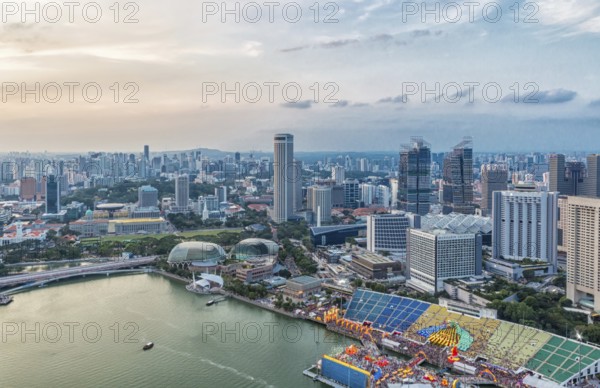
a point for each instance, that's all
(40, 278)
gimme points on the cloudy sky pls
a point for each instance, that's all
(358, 75)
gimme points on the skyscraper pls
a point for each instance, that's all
(567, 178)
(591, 184)
(321, 203)
(338, 174)
(525, 225)
(182, 193)
(52, 195)
(351, 193)
(494, 177)
(284, 176)
(414, 177)
(458, 179)
(297, 186)
(583, 251)
(387, 232)
(147, 153)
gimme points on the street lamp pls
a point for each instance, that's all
(580, 338)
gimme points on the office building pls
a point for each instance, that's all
(565, 177)
(387, 232)
(583, 251)
(147, 197)
(284, 176)
(494, 177)
(351, 193)
(414, 177)
(52, 195)
(525, 225)
(591, 183)
(437, 255)
(182, 194)
(458, 179)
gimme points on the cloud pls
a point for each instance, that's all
(305, 104)
(420, 33)
(348, 104)
(252, 49)
(554, 96)
(595, 103)
(339, 43)
(291, 49)
(340, 104)
(393, 100)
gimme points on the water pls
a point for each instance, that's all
(91, 332)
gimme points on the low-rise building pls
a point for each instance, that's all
(302, 287)
(374, 266)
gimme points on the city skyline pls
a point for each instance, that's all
(171, 53)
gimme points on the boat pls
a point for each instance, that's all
(210, 302)
(148, 346)
(5, 299)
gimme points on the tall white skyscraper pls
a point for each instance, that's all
(321, 202)
(525, 225)
(338, 174)
(284, 177)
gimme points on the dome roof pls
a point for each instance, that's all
(254, 247)
(197, 251)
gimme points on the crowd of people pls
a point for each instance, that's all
(418, 352)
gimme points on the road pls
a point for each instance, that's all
(15, 280)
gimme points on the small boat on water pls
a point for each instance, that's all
(5, 299)
(148, 346)
(210, 302)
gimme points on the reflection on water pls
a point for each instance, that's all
(91, 333)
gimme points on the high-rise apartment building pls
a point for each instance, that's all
(321, 202)
(583, 251)
(494, 177)
(458, 179)
(338, 174)
(525, 225)
(414, 177)
(284, 176)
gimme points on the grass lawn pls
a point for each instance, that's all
(187, 234)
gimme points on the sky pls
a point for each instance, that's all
(341, 76)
